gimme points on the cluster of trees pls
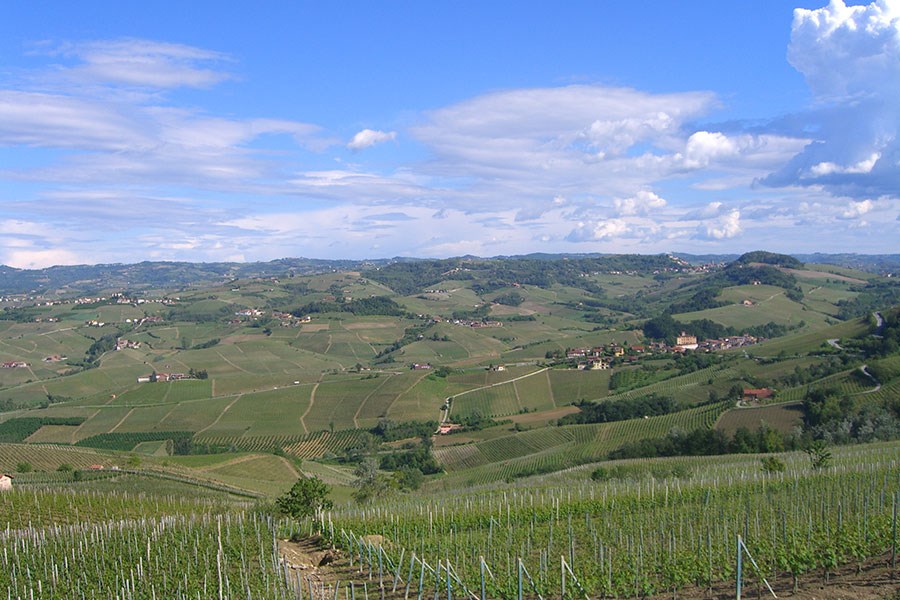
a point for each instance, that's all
(510, 299)
(620, 410)
(410, 335)
(105, 344)
(364, 307)
(870, 297)
(493, 274)
(18, 429)
(628, 379)
(418, 457)
(708, 442)
(841, 419)
(19, 315)
(391, 431)
(828, 366)
(666, 328)
(207, 344)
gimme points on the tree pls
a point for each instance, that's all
(369, 483)
(307, 497)
(819, 455)
(772, 464)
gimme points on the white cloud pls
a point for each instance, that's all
(850, 57)
(828, 168)
(369, 137)
(52, 120)
(848, 50)
(530, 144)
(598, 231)
(857, 209)
(32, 258)
(146, 63)
(726, 226)
(704, 146)
(644, 202)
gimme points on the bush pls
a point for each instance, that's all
(305, 498)
(772, 464)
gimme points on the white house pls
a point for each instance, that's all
(5, 482)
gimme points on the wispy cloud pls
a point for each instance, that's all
(144, 63)
(369, 137)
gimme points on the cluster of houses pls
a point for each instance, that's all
(95, 323)
(144, 320)
(473, 323)
(15, 364)
(122, 344)
(599, 357)
(726, 343)
(289, 320)
(157, 377)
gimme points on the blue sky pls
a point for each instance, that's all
(205, 132)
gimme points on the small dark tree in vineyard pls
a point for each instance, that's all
(772, 464)
(819, 455)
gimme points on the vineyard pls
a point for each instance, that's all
(633, 539)
(310, 445)
(549, 449)
(183, 556)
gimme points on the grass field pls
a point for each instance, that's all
(781, 417)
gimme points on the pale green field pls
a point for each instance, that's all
(769, 305)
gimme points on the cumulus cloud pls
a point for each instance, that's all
(40, 259)
(850, 57)
(726, 226)
(598, 231)
(370, 137)
(642, 203)
(855, 210)
(848, 50)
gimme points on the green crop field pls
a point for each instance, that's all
(782, 417)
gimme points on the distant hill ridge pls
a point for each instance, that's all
(76, 279)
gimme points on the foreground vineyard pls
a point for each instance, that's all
(133, 547)
(636, 533)
(635, 539)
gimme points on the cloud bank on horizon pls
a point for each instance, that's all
(110, 155)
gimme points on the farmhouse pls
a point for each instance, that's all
(5, 482)
(15, 364)
(445, 428)
(122, 344)
(751, 394)
(593, 365)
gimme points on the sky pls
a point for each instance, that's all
(213, 131)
